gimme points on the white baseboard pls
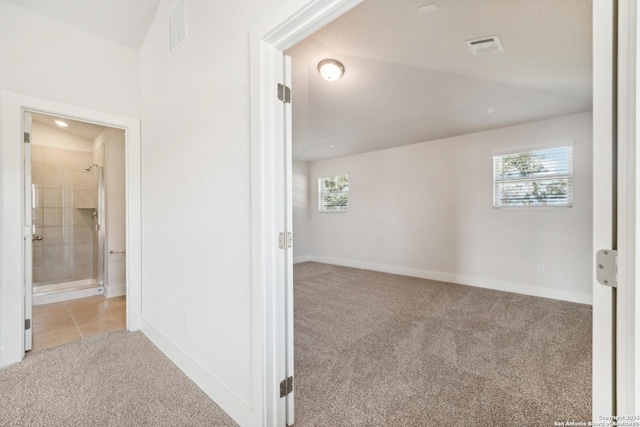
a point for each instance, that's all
(111, 291)
(67, 296)
(301, 258)
(479, 282)
(234, 406)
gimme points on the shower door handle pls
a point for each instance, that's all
(123, 251)
(36, 237)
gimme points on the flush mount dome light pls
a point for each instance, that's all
(330, 69)
(61, 123)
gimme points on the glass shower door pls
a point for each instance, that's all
(100, 225)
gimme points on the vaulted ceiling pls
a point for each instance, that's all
(410, 76)
(122, 21)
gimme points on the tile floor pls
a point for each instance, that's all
(74, 320)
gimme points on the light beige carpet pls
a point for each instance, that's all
(120, 379)
(375, 349)
(372, 349)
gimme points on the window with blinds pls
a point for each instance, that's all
(333, 193)
(533, 178)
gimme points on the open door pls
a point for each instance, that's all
(283, 216)
(627, 378)
(288, 165)
(29, 229)
(614, 212)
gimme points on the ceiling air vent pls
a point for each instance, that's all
(484, 45)
(177, 26)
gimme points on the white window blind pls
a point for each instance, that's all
(333, 193)
(533, 178)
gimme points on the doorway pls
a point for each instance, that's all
(78, 222)
(16, 302)
(280, 33)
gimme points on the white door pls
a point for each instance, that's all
(288, 164)
(284, 258)
(627, 380)
(29, 229)
(614, 76)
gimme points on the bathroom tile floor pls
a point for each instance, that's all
(74, 320)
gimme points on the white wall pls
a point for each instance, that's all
(196, 200)
(44, 58)
(300, 196)
(426, 210)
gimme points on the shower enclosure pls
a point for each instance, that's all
(68, 212)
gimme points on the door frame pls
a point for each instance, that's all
(627, 383)
(297, 19)
(12, 221)
(603, 368)
(286, 26)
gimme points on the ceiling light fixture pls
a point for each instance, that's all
(330, 69)
(61, 123)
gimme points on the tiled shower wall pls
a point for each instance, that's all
(64, 200)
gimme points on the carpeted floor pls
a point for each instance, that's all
(375, 349)
(372, 349)
(120, 379)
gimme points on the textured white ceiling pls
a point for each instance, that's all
(122, 21)
(410, 77)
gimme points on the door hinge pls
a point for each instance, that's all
(285, 240)
(27, 137)
(27, 324)
(286, 386)
(284, 93)
(607, 267)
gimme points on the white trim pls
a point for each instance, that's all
(478, 282)
(626, 356)
(602, 368)
(233, 405)
(111, 291)
(301, 258)
(11, 258)
(635, 260)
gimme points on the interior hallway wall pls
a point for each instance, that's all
(426, 210)
(196, 205)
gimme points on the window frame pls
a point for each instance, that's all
(321, 192)
(533, 150)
